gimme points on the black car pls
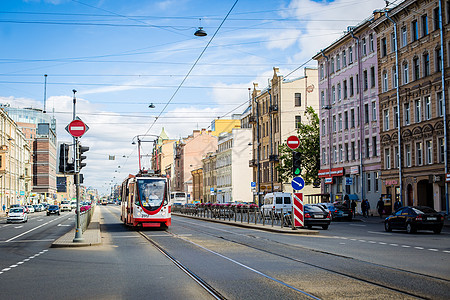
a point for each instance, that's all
(53, 209)
(338, 211)
(316, 215)
(413, 218)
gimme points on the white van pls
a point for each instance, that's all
(277, 202)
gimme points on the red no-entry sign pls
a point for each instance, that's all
(77, 128)
(293, 142)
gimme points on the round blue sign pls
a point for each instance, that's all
(298, 183)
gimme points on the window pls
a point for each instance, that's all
(340, 122)
(416, 69)
(323, 127)
(298, 99)
(298, 121)
(387, 158)
(427, 108)
(372, 77)
(322, 98)
(392, 42)
(357, 83)
(429, 149)
(396, 157)
(333, 94)
(408, 155)
(376, 182)
(419, 158)
(440, 104)
(367, 148)
(404, 36)
(424, 25)
(346, 120)
(332, 65)
(353, 151)
(322, 73)
(364, 47)
(339, 92)
(374, 111)
(366, 80)
(414, 31)
(338, 62)
(346, 151)
(340, 153)
(374, 146)
(386, 119)
(438, 59)
(350, 55)
(395, 108)
(441, 150)
(405, 73)
(407, 113)
(436, 18)
(385, 81)
(417, 111)
(344, 59)
(426, 64)
(351, 86)
(335, 154)
(334, 123)
(368, 181)
(371, 47)
(394, 77)
(383, 47)
(352, 118)
(324, 156)
(366, 113)
(345, 89)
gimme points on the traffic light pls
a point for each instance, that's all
(64, 165)
(81, 157)
(296, 163)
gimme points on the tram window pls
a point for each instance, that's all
(151, 193)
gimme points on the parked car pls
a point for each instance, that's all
(65, 205)
(73, 204)
(277, 203)
(17, 214)
(30, 208)
(316, 215)
(338, 211)
(413, 218)
(53, 210)
(38, 207)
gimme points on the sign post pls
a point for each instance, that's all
(298, 210)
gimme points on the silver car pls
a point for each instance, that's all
(17, 214)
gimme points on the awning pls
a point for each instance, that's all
(353, 196)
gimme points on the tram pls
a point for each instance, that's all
(145, 200)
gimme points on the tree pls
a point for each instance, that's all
(309, 150)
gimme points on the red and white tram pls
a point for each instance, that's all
(146, 200)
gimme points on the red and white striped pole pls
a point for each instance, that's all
(298, 210)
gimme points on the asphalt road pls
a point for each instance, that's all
(350, 260)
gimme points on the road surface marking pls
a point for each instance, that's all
(420, 248)
(22, 262)
(395, 245)
(433, 249)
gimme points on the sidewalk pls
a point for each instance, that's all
(91, 236)
(267, 227)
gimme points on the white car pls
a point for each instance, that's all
(30, 208)
(65, 205)
(17, 214)
(73, 204)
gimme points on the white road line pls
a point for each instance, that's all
(13, 266)
(363, 241)
(19, 226)
(419, 248)
(357, 225)
(382, 243)
(22, 262)
(17, 236)
(406, 246)
(433, 249)
(6, 269)
(395, 245)
(371, 242)
(382, 233)
(446, 251)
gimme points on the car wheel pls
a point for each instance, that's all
(324, 227)
(437, 230)
(387, 227)
(58, 214)
(410, 228)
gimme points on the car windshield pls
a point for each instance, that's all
(151, 193)
(313, 208)
(53, 207)
(423, 210)
(16, 210)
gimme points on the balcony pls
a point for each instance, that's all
(252, 119)
(252, 163)
(273, 109)
(273, 157)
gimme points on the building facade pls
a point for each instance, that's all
(209, 177)
(349, 121)
(414, 75)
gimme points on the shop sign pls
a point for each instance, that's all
(354, 170)
(391, 182)
(328, 180)
(332, 172)
(447, 177)
(348, 180)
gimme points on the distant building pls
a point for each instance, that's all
(209, 177)
(219, 126)
(197, 185)
(44, 163)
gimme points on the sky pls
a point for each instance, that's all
(121, 56)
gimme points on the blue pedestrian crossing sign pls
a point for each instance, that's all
(298, 183)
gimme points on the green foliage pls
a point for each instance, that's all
(308, 133)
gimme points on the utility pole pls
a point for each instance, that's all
(76, 177)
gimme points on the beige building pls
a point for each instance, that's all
(15, 163)
(275, 112)
(209, 177)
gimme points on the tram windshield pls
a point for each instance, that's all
(151, 193)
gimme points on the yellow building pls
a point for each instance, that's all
(219, 126)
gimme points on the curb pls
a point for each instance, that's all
(286, 230)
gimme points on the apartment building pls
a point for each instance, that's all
(349, 121)
(413, 71)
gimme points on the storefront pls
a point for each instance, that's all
(332, 183)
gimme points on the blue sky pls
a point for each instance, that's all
(121, 56)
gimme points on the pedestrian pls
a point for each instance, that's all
(4, 207)
(380, 207)
(346, 201)
(353, 208)
(397, 205)
(365, 206)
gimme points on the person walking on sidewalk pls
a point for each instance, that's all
(353, 205)
(397, 205)
(365, 206)
(380, 207)
(4, 207)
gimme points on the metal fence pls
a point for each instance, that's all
(249, 215)
(85, 218)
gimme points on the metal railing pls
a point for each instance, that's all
(86, 217)
(249, 215)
